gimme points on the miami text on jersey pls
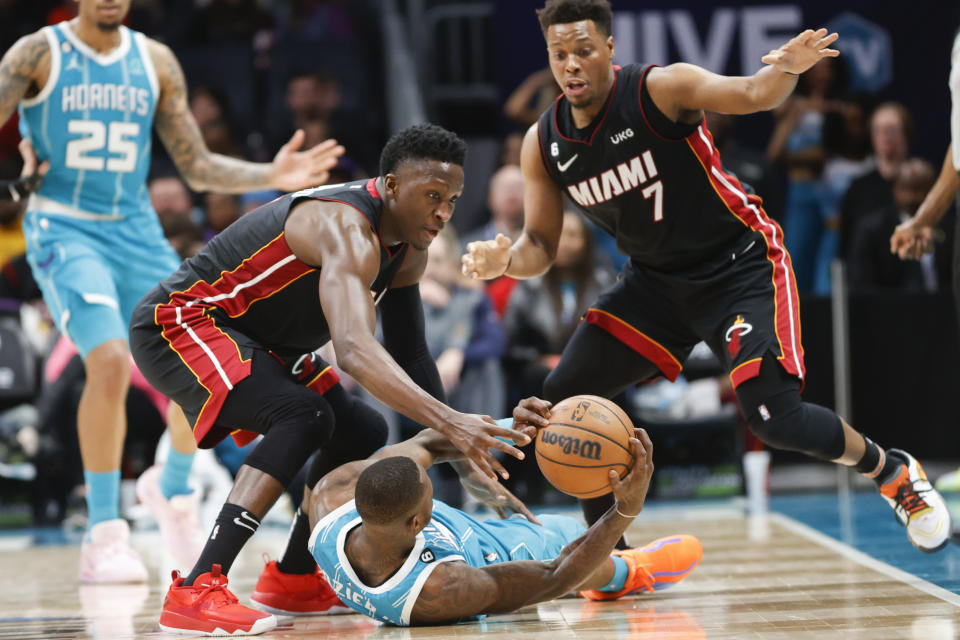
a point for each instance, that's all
(626, 176)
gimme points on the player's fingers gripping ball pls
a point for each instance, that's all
(587, 437)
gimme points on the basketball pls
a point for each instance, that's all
(587, 437)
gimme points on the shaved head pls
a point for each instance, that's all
(389, 490)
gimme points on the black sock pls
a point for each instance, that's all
(593, 510)
(876, 464)
(230, 532)
(296, 558)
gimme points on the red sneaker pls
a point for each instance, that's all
(296, 594)
(208, 608)
(660, 564)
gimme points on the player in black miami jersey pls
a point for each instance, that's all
(629, 146)
(225, 334)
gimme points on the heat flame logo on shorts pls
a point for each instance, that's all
(739, 328)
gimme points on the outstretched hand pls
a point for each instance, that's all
(912, 239)
(531, 415)
(491, 493)
(803, 51)
(477, 435)
(487, 259)
(293, 169)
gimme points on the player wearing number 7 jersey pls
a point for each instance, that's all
(629, 146)
(89, 92)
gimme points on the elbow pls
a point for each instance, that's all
(348, 357)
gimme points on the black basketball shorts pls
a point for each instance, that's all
(196, 360)
(742, 304)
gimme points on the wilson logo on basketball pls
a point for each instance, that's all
(590, 449)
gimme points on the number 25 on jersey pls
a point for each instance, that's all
(95, 136)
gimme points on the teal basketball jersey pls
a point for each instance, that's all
(451, 536)
(93, 121)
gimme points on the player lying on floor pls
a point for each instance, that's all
(393, 553)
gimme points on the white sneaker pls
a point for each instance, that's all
(177, 518)
(106, 555)
(917, 505)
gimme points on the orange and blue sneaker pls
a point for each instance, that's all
(208, 608)
(295, 594)
(917, 505)
(659, 565)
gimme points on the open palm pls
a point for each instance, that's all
(803, 51)
(293, 169)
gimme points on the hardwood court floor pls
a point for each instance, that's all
(760, 578)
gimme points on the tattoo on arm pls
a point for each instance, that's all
(456, 590)
(21, 67)
(202, 169)
(453, 591)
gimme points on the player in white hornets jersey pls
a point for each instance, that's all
(90, 91)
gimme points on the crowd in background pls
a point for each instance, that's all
(837, 174)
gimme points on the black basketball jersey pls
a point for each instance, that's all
(248, 279)
(657, 186)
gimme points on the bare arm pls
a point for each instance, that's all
(427, 448)
(456, 590)
(941, 195)
(914, 237)
(536, 249)
(682, 90)
(23, 72)
(207, 171)
(337, 237)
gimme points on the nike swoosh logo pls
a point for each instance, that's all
(563, 166)
(247, 516)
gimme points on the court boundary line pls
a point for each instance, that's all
(866, 560)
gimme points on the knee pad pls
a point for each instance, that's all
(299, 426)
(368, 428)
(361, 430)
(784, 421)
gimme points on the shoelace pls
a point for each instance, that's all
(909, 499)
(639, 576)
(218, 594)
